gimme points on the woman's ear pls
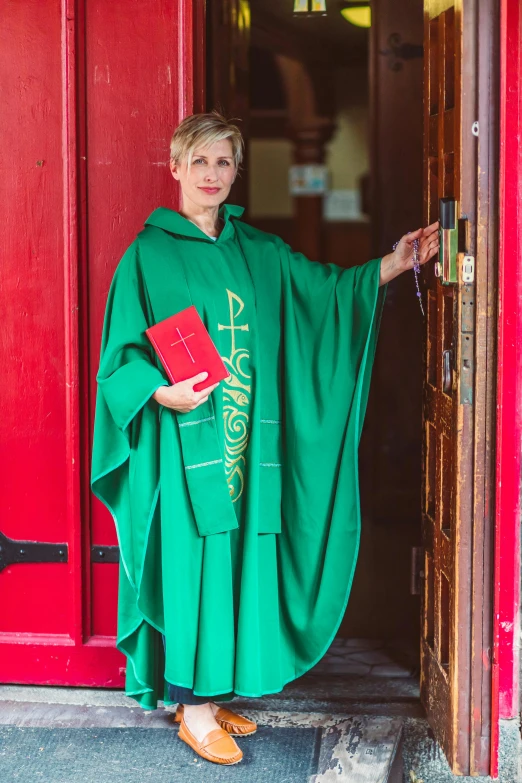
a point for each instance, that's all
(174, 168)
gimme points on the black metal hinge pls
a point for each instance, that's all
(105, 554)
(12, 551)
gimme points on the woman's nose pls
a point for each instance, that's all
(211, 174)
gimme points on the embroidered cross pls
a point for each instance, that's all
(233, 316)
(182, 340)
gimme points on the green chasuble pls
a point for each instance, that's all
(238, 523)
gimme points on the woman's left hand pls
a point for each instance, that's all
(401, 259)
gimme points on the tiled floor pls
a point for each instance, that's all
(370, 657)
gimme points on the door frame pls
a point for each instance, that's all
(506, 615)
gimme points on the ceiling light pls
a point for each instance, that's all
(358, 14)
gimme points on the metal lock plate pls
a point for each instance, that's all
(468, 269)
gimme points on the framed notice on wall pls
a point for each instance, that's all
(310, 180)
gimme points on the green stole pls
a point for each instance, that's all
(201, 453)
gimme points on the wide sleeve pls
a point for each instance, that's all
(331, 320)
(126, 424)
(128, 374)
(330, 324)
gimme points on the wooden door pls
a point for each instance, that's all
(91, 92)
(460, 91)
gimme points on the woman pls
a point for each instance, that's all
(237, 506)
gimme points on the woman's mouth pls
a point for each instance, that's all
(210, 191)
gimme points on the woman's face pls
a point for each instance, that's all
(207, 182)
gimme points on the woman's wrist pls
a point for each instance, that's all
(159, 395)
(389, 269)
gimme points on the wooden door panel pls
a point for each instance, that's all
(442, 448)
(91, 94)
(457, 412)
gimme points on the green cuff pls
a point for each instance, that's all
(128, 389)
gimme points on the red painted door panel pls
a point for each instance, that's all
(33, 421)
(91, 93)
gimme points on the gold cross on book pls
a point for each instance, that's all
(182, 340)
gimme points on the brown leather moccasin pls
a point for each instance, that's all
(234, 724)
(218, 746)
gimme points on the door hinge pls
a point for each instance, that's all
(15, 551)
(105, 554)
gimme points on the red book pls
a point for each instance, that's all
(185, 348)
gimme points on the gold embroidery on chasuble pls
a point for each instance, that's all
(236, 400)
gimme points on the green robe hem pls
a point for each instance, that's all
(136, 639)
(364, 369)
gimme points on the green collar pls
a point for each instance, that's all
(174, 223)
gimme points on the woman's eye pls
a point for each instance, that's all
(202, 160)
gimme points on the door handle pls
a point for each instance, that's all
(447, 371)
(448, 240)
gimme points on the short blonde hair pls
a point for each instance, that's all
(202, 130)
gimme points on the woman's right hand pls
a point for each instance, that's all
(181, 396)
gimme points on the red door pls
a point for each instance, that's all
(90, 95)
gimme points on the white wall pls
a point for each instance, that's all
(347, 154)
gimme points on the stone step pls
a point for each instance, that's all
(361, 750)
(341, 748)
